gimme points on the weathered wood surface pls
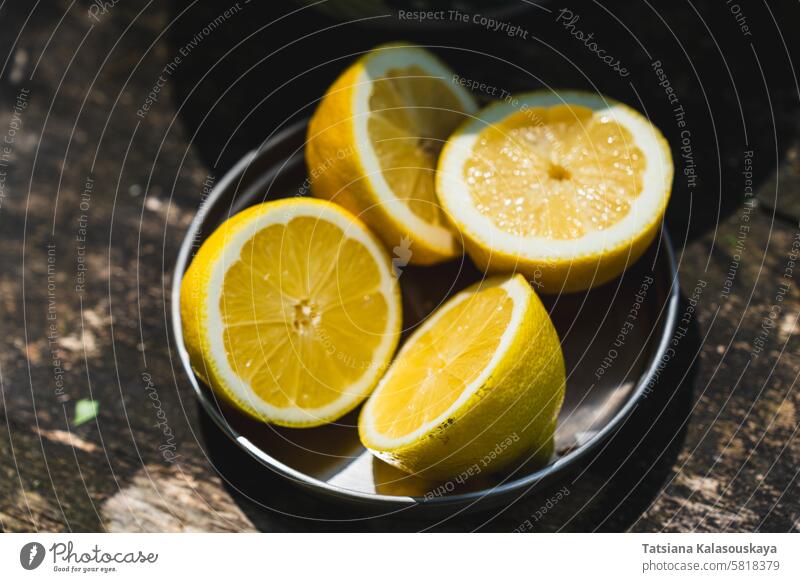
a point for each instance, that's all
(714, 447)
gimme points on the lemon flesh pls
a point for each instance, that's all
(481, 382)
(374, 142)
(556, 172)
(568, 188)
(290, 312)
(410, 115)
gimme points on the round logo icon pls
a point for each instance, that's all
(31, 555)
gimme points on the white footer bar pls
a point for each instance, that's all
(399, 557)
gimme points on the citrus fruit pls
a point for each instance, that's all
(478, 385)
(567, 188)
(290, 311)
(374, 141)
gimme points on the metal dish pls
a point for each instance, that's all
(609, 370)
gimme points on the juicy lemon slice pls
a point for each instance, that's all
(568, 188)
(481, 382)
(291, 312)
(374, 141)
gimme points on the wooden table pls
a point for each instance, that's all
(109, 141)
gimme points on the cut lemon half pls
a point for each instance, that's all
(290, 311)
(567, 188)
(479, 384)
(374, 141)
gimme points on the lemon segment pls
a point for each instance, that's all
(483, 378)
(290, 311)
(476, 328)
(374, 142)
(568, 188)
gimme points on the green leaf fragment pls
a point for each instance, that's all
(85, 410)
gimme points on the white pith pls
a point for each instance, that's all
(519, 291)
(241, 388)
(376, 66)
(645, 209)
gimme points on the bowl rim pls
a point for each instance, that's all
(570, 459)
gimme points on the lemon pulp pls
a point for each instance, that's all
(303, 313)
(411, 114)
(442, 362)
(556, 172)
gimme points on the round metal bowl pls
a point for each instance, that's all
(614, 338)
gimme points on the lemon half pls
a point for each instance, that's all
(480, 383)
(568, 188)
(374, 142)
(291, 312)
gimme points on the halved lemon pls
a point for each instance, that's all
(567, 188)
(478, 385)
(291, 312)
(374, 141)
